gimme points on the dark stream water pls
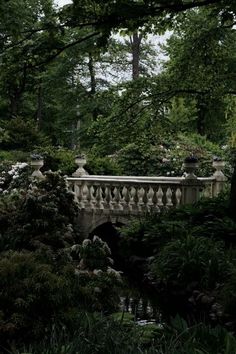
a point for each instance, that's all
(136, 298)
(142, 310)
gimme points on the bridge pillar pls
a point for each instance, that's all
(191, 191)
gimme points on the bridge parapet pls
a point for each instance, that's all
(135, 195)
(115, 199)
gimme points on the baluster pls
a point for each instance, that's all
(133, 198)
(117, 198)
(113, 202)
(125, 198)
(160, 196)
(155, 200)
(108, 197)
(76, 192)
(91, 198)
(145, 198)
(121, 201)
(141, 193)
(169, 197)
(99, 198)
(150, 195)
(79, 195)
(70, 186)
(178, 195)
(85, 195)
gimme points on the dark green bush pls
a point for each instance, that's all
(105, 336)
(191, 254)
(227, 297)
(102, 166)
(165, 155)
(40, 216)
(198, 260)
(44, 282)
(35, 294)
(22, 134)
(13, 156)
(57, 159)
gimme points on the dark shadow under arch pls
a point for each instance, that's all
(110, 234)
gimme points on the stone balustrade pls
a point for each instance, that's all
(114, 199)
(128, 195)
(135, 195)
(139, 194)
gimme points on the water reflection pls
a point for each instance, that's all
(142, 309)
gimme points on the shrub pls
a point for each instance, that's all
(45, 282)
(227, 298)
(57, 159)
(35, 294)
(100, 282)
(13, 176)
(40, 216)
(103, 335)
(13, 156)
(165, 156)
(191, 254)
(22, 134)
(196, 260)
(102, 165)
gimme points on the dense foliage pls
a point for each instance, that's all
(47, 278)
(88, 77)
(188, 256)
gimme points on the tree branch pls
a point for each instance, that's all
(69, 45)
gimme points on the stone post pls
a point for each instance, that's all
(191, 185)
(220, 178)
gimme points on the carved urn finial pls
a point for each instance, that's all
(190, 166)
(80, 160)
(37, 162)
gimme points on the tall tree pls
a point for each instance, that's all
(202, 64)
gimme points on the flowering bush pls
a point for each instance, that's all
(99, 281)
(46, 276)
(94, 254)
(13, 176)
(166, 156)
(38, 216)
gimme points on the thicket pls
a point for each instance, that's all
(144, 126)
(162, 157)
(188, 258)
(60, 292)
(47, 275)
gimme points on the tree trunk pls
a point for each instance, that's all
(39, 107)
(92, 84)
(92, 74)
(15, 94)
(201, 115)
(135, 42)
(232, 198)
(14, 103)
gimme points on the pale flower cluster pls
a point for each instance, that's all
(14, 173)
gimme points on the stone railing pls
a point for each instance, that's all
(131, 194)
(135, 195)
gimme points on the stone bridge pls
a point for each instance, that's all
(116, 199)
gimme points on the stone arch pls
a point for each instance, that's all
(107, 229)
(87, 222)
(106, 219)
